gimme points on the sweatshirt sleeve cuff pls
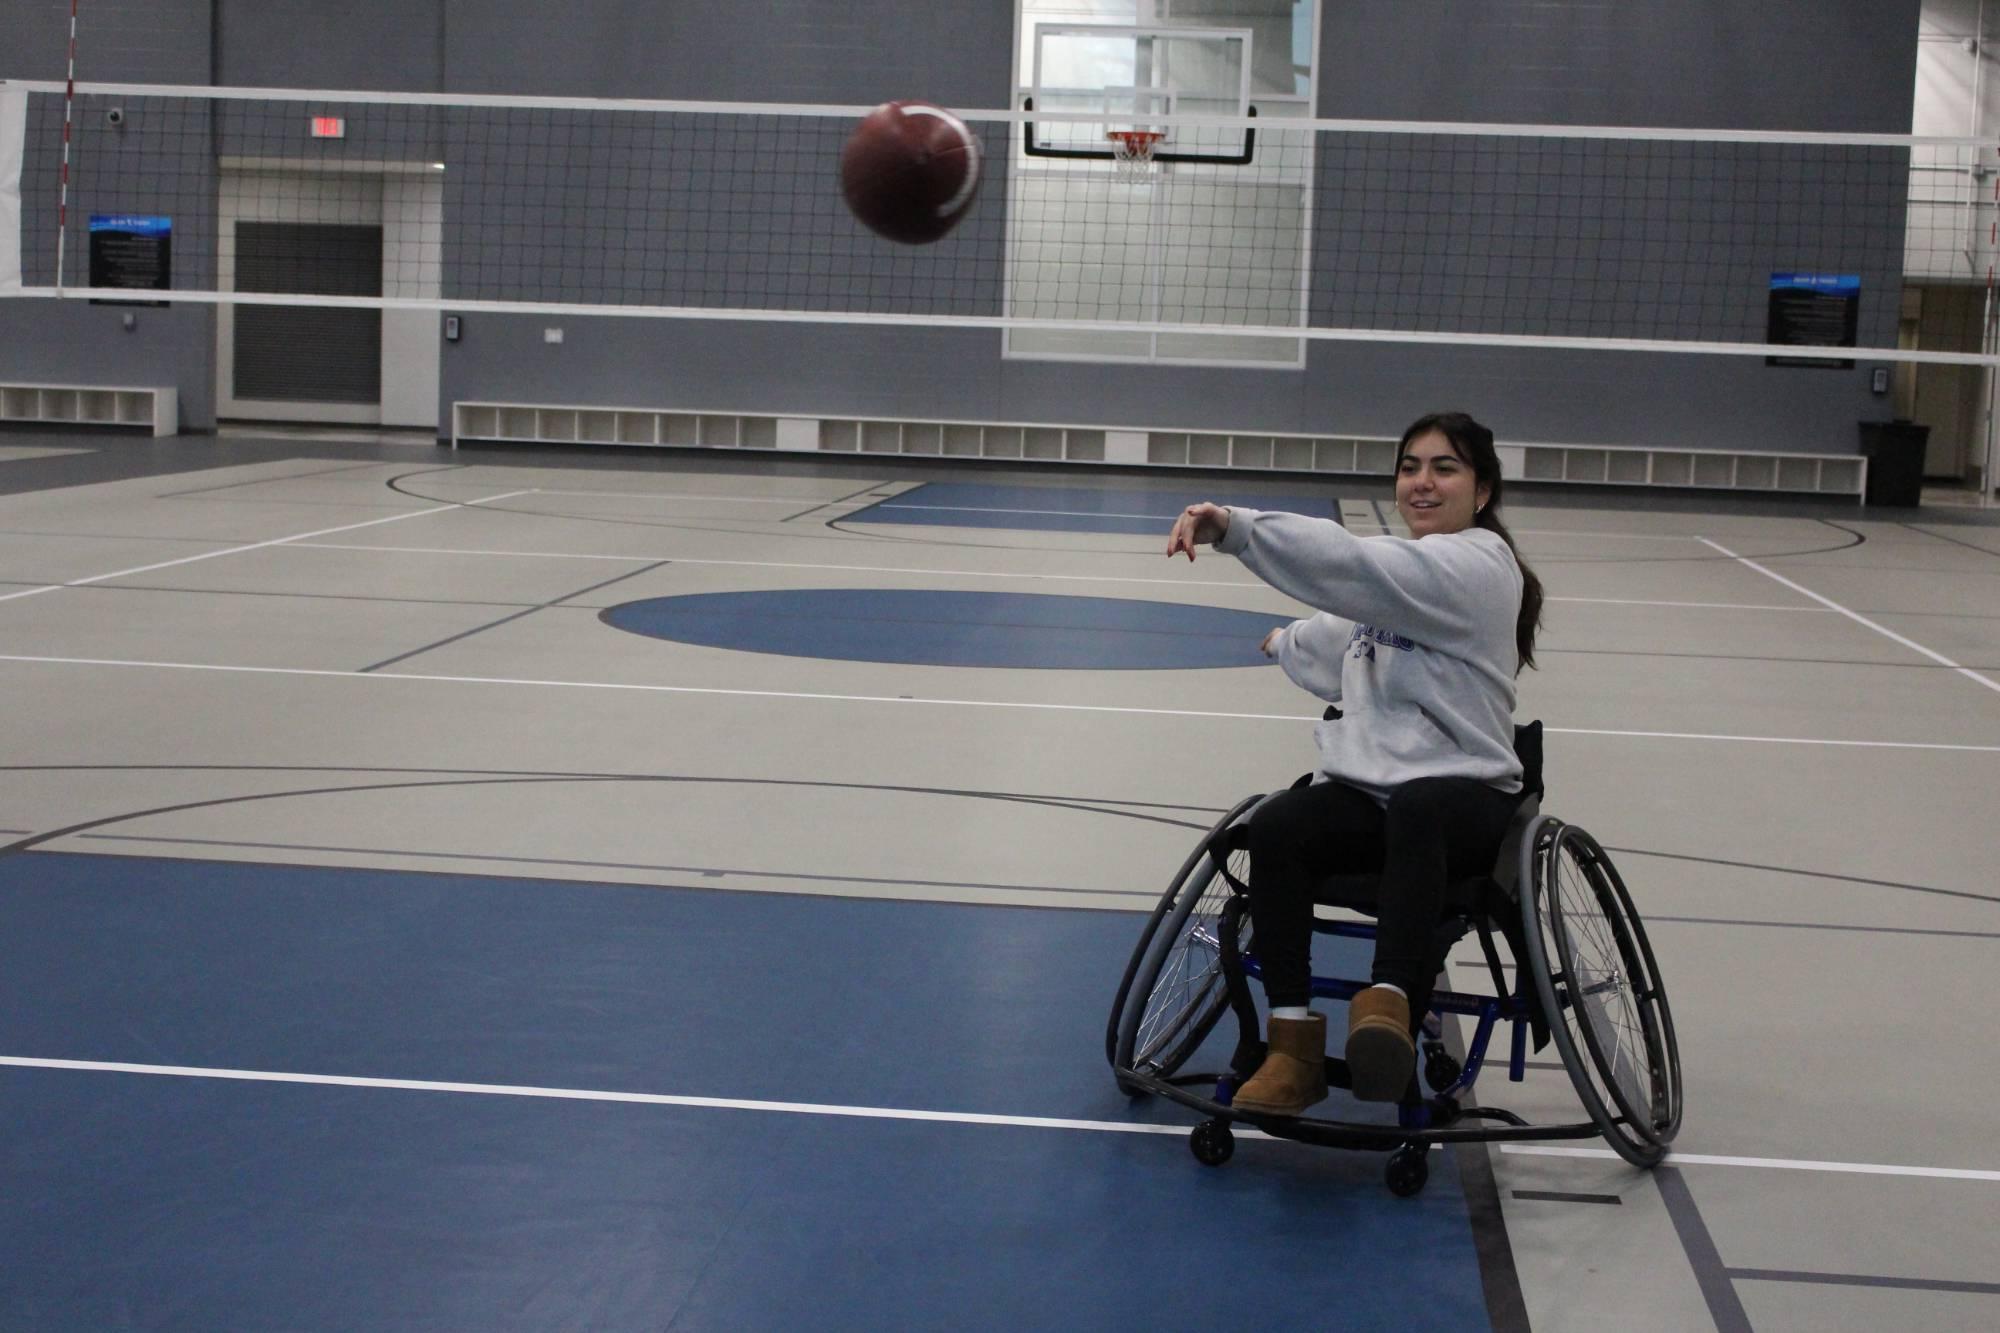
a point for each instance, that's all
(1238, 536)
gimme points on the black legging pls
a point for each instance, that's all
(1435, 831)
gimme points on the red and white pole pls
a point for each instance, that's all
(69, 103)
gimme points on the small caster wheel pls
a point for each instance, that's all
(1441, 1070)
(1409, 1167)
(1212, 1143)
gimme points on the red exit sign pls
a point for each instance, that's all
(329, 127)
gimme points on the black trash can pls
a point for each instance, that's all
(1895, 454)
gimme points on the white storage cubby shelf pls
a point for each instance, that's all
(964, 439)
(1605, 465)
(610, 425)
(1698, 469)
(155, 411)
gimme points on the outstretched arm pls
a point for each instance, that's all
(1433, 590)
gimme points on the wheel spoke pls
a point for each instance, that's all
(1596, 978)
(1186, 992)
(1602, 966)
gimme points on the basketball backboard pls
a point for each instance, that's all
(1136, 74)
(1213, 237)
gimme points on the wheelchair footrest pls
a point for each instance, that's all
(1437, 1120)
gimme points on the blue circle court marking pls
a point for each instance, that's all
(928, 627)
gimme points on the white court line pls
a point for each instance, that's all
(594, 1095)
(886, 1112)
(658, 689)
(1610, 536)
(1251, 584)
(1163, 518)
(1857, 617)
(865, 502)
(1764, 740)
(799, 564)
(1767, 1163)
(1705, 606)
(1293, 719)
(256, 546)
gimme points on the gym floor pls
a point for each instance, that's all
(498, 888)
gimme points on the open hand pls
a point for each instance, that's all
(1198, 524)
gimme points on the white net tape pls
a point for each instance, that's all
(1732, 242)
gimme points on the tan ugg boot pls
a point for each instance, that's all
(1293, 1075)
(1380, 1052)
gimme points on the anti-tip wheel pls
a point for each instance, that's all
(1409, 1168)
(1211, 1142)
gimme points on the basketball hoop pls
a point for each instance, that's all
(1132, 154)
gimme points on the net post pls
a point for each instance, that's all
(69, 103)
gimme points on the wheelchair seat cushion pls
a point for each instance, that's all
(1362, 893)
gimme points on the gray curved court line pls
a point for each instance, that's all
(1656, 559)
(1809, 874)
(828, 504)
(1854, 539)
(273, 481)
(23, 845)
(709, 872)
(1970, 546)
(1095, 804)
(1088, 802)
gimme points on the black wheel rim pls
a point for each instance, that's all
(1181, 992)
(1117, 1045)
(1667, 1118)
(1605, 998)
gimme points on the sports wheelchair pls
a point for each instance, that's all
(1584, 977)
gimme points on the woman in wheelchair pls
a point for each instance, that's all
(1417, 642)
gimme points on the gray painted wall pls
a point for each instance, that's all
(829, 51)
(1835, 65)
(310, 44)
(1826, 65)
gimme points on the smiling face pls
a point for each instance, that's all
(1436, 490)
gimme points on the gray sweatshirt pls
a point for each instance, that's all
(1414, 640)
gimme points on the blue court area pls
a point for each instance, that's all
(969, 504)
(201, 1202)
(933, 627)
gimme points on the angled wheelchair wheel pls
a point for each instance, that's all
(1594, 971)
(1174, 990)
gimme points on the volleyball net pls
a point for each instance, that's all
(1253, 237)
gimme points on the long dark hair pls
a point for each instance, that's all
(1473, 444)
